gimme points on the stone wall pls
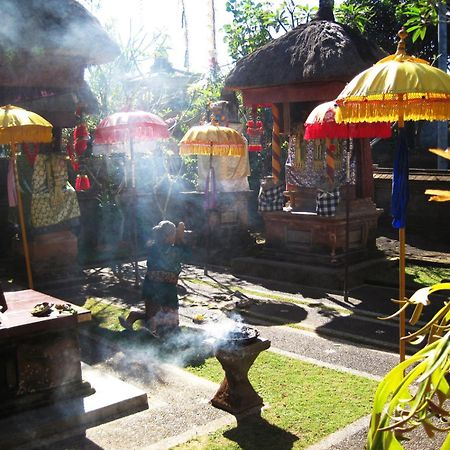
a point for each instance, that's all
(424, 217)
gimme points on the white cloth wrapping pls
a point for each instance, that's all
(231, 172)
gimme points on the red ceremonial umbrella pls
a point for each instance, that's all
(321, 124)
(129, 127)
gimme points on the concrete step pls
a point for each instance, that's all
(39, 427)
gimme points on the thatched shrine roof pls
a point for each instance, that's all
(45, 46)
(62, 27)
(49, 42)
(313, 54)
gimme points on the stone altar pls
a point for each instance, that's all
(39, 356)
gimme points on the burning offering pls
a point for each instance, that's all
(242, 335)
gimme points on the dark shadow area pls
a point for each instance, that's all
(366, 327)
(257, 311)
(256, 433)
(74, 443)
(424, 241)
(285, 287)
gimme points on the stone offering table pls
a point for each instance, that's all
(236, 395)
(39, 356)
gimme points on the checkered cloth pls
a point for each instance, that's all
(271, 199)
(327, 202)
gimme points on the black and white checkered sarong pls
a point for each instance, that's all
(327, 202)
(271, 199)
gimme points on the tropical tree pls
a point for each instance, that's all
(380, 20)
(256, 22)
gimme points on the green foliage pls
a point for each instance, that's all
(257, 22)
(420, 15)
(200, 96)
(413, 393)
(356, 16)
(387, 17)
(250, 28)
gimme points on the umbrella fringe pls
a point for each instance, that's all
(388, 110)
(217, 149)
(26, 133)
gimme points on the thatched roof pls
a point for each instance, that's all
(53, 27)
(45, 45)
(319, 51)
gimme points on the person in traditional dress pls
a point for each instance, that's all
(166, 253)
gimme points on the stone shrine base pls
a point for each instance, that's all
(40, 427)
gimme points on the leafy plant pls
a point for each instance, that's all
(356, 16)
(420, 15)
(257, 22)
(413, 393)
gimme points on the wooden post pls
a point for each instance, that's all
(276, 147)
(401, 268)
(22, 218)
(330, 161)
(402, 293)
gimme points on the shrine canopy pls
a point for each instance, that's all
(311, 63)
(45, 46)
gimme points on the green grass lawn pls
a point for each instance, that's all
(306, 403)
(416, 276)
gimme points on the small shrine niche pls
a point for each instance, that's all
(307, 172)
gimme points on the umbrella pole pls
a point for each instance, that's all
(401, 268)
(347, 222)
(208, 216)
(22, 219)
(402, 292)
(133, 216)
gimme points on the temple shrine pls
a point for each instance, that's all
(308, 67)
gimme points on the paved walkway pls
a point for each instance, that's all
(306, 323)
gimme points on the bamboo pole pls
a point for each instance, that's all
(22, 218)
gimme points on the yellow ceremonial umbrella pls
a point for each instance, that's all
(397, 88)
(18, 125)
(212, 140)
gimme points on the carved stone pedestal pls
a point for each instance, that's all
(236, 395)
